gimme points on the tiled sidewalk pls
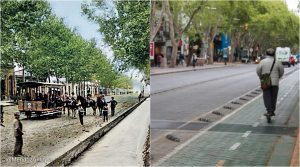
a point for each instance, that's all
(245, 138)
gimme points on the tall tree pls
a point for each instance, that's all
(125, 27)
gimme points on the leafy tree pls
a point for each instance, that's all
(125, 26)
(19, 20)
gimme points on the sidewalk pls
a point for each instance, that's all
(179, 68)
(243, 137)
(123, 145)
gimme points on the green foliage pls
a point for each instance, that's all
(125, 26)
(19, 20)
(33, 37)
(270, 24)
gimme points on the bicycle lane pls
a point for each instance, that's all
(245, 137)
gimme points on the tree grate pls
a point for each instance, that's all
(173, 138)
(244, 99)
(256, 93)
(235, 102)
(228, 107)
(204, 119)
(217, 113)
(250, 95)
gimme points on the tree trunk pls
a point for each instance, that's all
(172, 34)
(23, 71)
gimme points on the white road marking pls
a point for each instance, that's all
(256, 124)
(246, 134)
(235, 146)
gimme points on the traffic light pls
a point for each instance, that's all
(246, 26)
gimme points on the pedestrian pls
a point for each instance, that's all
(181, 59)
(2, 113)
(140, 96)
(270, 94)
(18, 133)
(194, 59)
(113, 104)
(80, 113)
(105, 113)
(159, 59)
(65, 100)
(101, 103)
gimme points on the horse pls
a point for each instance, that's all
(87, 103)
(72, 104)
(91, 103)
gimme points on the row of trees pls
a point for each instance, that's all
(249, 23)
(125, 28)
(43, 45)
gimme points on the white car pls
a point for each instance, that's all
(283, 54)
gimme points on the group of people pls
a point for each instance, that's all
(81, 104)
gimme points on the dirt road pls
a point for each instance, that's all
(42, 137)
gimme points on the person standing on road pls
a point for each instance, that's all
(80, 114)
(113, 104)
(140, 96)
(105, 113)
(194, 59)
(18, 133)
(270, 94)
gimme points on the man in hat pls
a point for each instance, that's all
(270, 94)
(18, 135)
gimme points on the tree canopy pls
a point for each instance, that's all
(40, 41)
(125, 27)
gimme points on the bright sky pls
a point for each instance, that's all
(292, 5)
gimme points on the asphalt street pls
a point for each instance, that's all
(179, 98)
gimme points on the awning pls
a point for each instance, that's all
(29, 84)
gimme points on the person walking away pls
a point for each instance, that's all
(80, 114)
(18, 133)
(113, 104)
(105, 113)
(270, 94)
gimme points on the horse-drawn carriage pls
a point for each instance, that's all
(40, 99)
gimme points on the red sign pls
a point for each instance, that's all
(151, 50)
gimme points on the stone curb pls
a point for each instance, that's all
(75, 152)
(187, 70)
